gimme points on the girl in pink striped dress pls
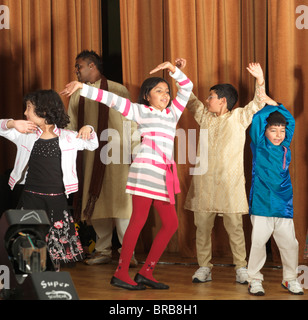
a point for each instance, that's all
(152, 177)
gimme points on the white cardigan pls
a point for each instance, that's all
(68, 144)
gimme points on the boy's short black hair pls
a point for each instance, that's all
(226, 90)
(92, 56)
(276, 119)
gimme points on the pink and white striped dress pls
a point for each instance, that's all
(150, 174)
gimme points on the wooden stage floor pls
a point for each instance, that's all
(92, 282)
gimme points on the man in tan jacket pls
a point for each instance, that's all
(221, 190)
(103, 199)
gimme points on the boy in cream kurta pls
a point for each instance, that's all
(221, 190)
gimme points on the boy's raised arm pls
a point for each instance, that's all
(266, 99)
(256, 104)
(255, 70)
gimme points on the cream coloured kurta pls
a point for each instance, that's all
(113, 202)
(222, 188)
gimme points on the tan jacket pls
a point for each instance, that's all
(222, 188)
(113, 201)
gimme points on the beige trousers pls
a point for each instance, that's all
(233, 224)
(284, 235)
(104, 230)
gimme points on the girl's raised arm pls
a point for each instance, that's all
(164, 66)
(128, 109)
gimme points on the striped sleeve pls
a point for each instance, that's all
(134, 111)
(124, 106)
(184, 92)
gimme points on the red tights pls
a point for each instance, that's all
(141, 207)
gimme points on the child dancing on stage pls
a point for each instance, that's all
(271, 195)
(46, 162)
(152, 178)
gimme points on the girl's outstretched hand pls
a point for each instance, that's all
(164, 66)
(71, 87)
(84, 133)
(23, 126)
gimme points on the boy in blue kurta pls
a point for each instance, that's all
(271, 196)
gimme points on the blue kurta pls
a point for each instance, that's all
(271, 193)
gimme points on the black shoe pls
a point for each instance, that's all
(155, 285)
(119, 283)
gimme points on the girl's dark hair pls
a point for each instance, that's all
(226, 90)
(49, 106)
(147, 86)
(276, 119)
(92, 56)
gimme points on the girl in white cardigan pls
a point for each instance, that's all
(46, 164)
